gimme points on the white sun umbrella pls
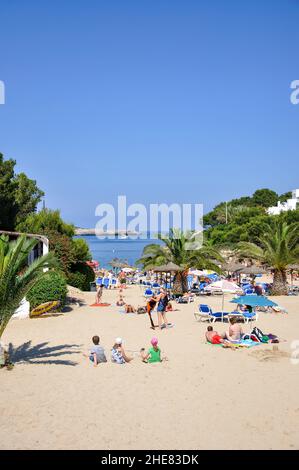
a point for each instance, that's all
(226, 287)
(127, 270)
(196, 272)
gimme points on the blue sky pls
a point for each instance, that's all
(160, 100)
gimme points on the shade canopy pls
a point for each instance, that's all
(168, 268)
(196, 272)
(254, 301)
(251, 270)
(232, 267)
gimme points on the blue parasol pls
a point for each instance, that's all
(254, 301)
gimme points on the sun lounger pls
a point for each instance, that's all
(204, 312)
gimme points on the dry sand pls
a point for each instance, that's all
(204, 397)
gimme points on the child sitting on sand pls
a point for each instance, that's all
(213, 337)
(153, 354)
(96, 353)
(118, 354)
(120, 302)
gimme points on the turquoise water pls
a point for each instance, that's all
(104, 251)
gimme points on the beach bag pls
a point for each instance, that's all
(258, 334)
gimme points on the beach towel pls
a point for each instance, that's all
(100, 305)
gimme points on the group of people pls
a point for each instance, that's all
(97, 353)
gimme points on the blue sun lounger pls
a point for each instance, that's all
(204, 312)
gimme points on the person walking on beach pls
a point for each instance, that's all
(163, 301)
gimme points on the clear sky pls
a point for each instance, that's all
(160, 100)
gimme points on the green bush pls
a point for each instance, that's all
(52, 286)
(81, 276)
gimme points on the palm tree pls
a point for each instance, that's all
(16, 277)
(278, 247)
(176, 250)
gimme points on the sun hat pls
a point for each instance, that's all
(118, 341)
(154, 341)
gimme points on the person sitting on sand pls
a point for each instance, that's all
(153, 354)
(213, 337)
(96, 353)
(188, 296)
(169, 307)
(234, 332)
(120, 302)
(130, 309)
(118, 354)
(99, 294)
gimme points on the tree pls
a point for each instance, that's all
(81, 251)
(19, 195)
(44, 222)
(265, 198)
(8, 205)
(27, 196)
(16, 277)
(175, 250)
(278, 247)
(284, 197)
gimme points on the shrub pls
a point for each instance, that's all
(52, 286)
(81, 276)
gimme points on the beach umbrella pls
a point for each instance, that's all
(252, 270)
(232, 267)
(127, 270)
(168, 268)
(196, 272)
(254, 301)
(226, 287)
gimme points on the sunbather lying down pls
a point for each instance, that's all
(213, 337)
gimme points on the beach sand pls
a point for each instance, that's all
(204, 397)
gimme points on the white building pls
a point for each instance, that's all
(289, 205)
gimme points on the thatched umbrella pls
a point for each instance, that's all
(252, 270)
(118, 264)
(232, 267)
(168, 269)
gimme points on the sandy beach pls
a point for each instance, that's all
(204, 397)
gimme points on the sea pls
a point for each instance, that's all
(104, 250)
